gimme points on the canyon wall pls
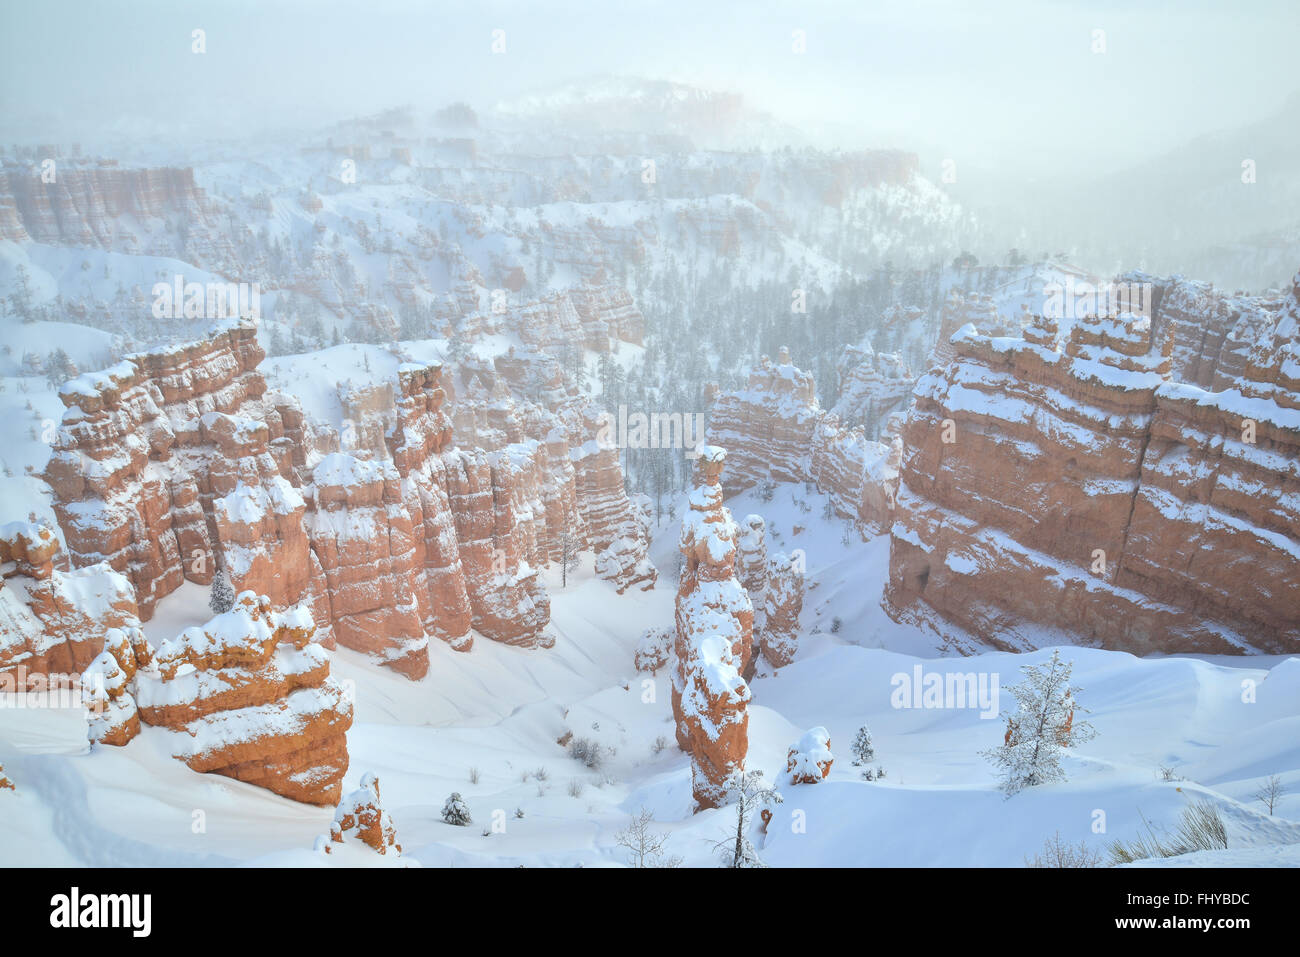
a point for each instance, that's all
(1065, 486)
(177, 461)
(775, 430)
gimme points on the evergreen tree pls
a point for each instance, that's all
(863, 750)
(456, 811)
(222, 598)
(1041, 727)
(570, 546)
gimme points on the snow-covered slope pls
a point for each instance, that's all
(486, 725)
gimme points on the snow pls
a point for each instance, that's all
(500, 709)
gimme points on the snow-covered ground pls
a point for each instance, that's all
(485, 724)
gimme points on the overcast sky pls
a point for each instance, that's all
(992, 83)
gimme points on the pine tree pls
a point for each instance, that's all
(222, 598)
(1042, 725)
(570, 547)
(456, 811)
(863, 750)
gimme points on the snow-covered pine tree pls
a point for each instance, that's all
(750, 792)
(456, 811)
(863, 750)
(570, 554)
(222, 598)
(1040, 727)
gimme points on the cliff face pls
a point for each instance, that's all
(873, 387)
(104, 206)
(1067, 483)
(423, 432)
(1213, 333)
(767, 428)
(364, 539)
(774, 430)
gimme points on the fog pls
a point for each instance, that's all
(1023, 100)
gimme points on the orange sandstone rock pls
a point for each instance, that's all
(54, 622)
(249, 695)
(809, 759)
(713, 640)
(361, 816)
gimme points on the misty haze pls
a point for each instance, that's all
(685, 435)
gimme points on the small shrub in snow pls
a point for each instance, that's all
(750, 792)
(456, 811)
(519, 813)
(645, 847)
(836, 624)
(1057, 853)
(541, 774)
(660, 744)
(587, 751)
(864, 752)
(575, 788)
(473, 775)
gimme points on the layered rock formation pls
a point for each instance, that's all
(873, 387)
(1213, 333)
(963, 309)
(508, 600)
(714, 639)
(858, 475)
(776, 431)
(423, 431)
(146, 448)
(1067, 484)
(54, 622)
(782, 603)
(249, 695)
(767, 428)
(362, 534)
(178, 461)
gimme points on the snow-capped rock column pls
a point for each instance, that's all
(110, 707)
(362, 817)
(363, 537)
(782, 603)
(423, 432)
(509, 601)
(714, 640)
